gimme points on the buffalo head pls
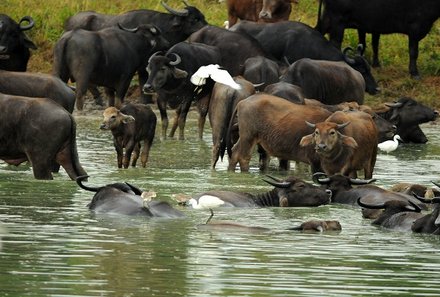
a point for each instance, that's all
(359, 63)
(113, 118)
(187, 20)
(328, 139)
(14, 44)
(162, 69)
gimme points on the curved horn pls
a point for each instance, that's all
(347, 59)
(287, 61)
(320, 178)
(132, 30)
(182, 12)
(416, 207)
(347, 49)
(356, 181)
(177, 61)
(310, 125)
(79, 180)
(274, 178)
(283, 184)
(361, 204)
(28, 26)
(343, 125)
(394, 105)
(153, 55)
(437, 184)
(135, 189)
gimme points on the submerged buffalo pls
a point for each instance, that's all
(292, 192)
(126, 199)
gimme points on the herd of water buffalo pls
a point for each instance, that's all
(301, 98)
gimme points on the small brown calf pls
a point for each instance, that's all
(130, 125)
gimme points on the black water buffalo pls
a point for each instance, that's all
(221, 106)
(235, 48)
(429, 223)
(109, 57)
(14, 44)
(291, 192)
(288, 91)
(269, 11)
(132, 125)
(330, 82)
(396, 215)
(37, 85)
(406, 113)
(175, 27)
(345, 143)
(40, 131)
(276, 125)
(410, 17)
(169, 74)
(346, 190)
(261, 71)
(313, 46)
(126, 199)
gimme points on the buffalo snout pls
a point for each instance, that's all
(148, 88)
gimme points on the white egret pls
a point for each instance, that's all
(390, 145)
(215, 73)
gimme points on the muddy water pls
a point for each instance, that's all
(53, 246)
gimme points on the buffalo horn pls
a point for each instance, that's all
(416, 207)
(177, 61)
(282, 184)
(274, 178)
(357, 181)
(132, 30)
(424, 200)
(153, 55)
(28, 26)
(182, 12)
(437, 184)
(394, 105)
(343, 125)
(79, 180)
(347, 59)
(310, 125)
(320, 178)
(377, 206)
(135, 189)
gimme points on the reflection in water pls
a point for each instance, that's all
(55, 247)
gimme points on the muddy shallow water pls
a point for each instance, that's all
(53, 246)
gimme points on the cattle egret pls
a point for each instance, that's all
(206, 202)
(215, 73)
(389, 145)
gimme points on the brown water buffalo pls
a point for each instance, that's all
(222, 103)
(277, 125)
(131, 125)
(37, 85)
(318, 226)
(268, 11)
(345, 142)
(40, 131)
(291, 192)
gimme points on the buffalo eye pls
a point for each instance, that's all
(333, 132)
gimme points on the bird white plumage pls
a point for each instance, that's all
(215, 73)
(206, 202)
(389, 145)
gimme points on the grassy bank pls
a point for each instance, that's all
(393, 76)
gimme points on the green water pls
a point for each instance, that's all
(53, 246)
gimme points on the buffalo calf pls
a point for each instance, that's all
(130, 125)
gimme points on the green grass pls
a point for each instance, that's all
(393, 76)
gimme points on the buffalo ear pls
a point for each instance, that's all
(307, 140)
(284, 202)
(349, 141)
(179, 73)
(127, 118)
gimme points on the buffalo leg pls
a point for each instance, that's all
(162, 105)
(143, 76)
(119, 152)
(413, 45)
(96, 95)
(136, 153)
(128, 151)
(263, 158)
(186, 104)
(375, 41)
(175, 121)
(40, 166)
(202, 106)
(111, 96)
(145, 153)
(242, 154)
